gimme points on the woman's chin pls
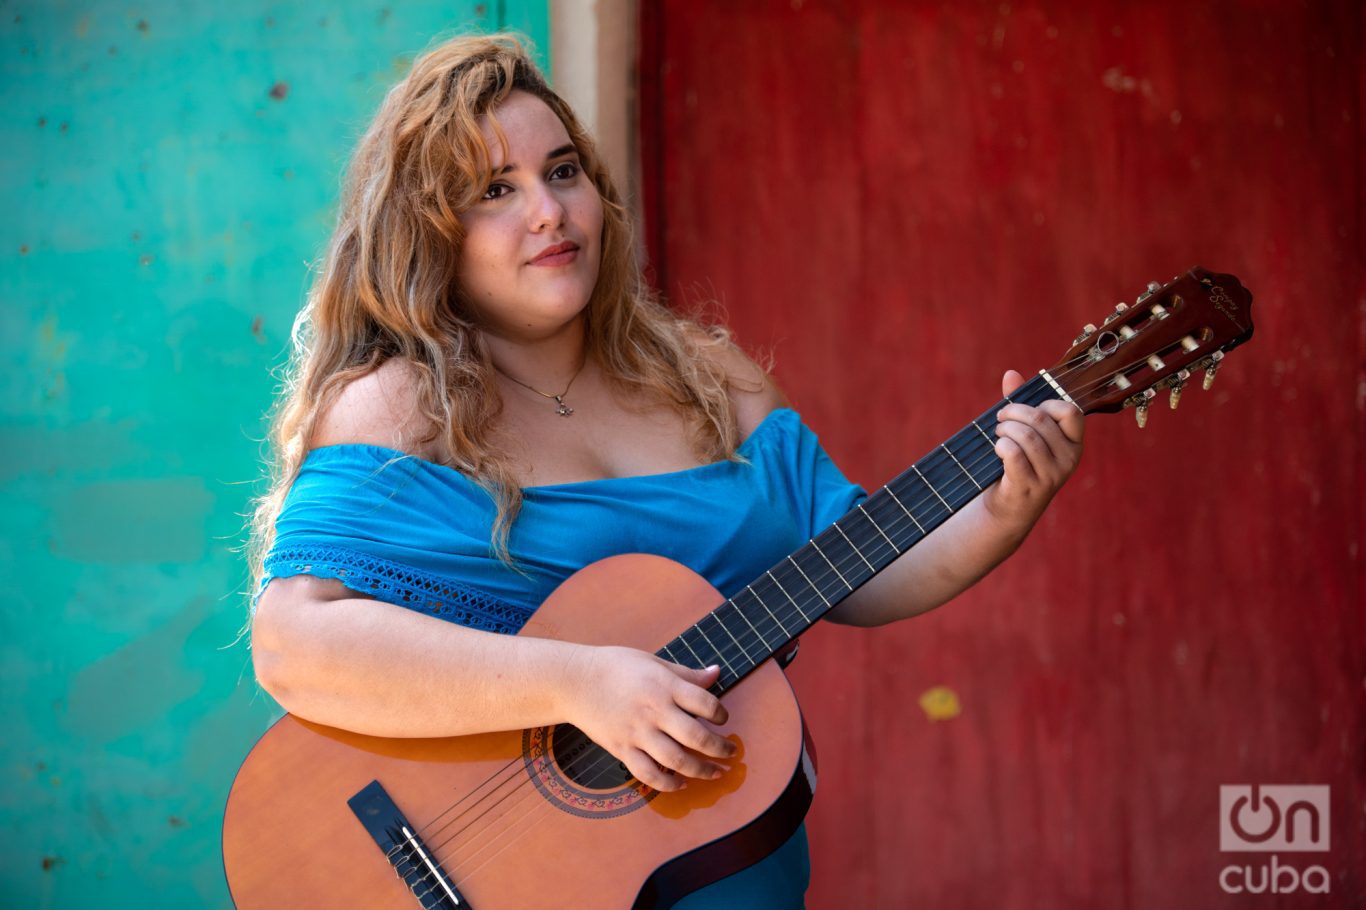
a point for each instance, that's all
(537, 325)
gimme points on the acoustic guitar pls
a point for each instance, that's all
(321, 817)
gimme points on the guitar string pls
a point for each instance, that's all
(512, 769)
(722, 652)
(536, 808)
(511, 825)
(870, 539)
(596, 752)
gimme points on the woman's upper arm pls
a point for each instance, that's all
(753, 391)
(379, 408)
(278, 607)
(284, 613)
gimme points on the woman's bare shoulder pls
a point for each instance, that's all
(753, 391)
(379, 408)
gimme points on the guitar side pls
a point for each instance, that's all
(524, 834)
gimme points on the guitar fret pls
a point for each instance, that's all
(700, 662)
(766, 609)
(808, 581)
(670, 655)
(719, 655)
(879, 529)
(896, 499)
(854, 548)
(818, 549)
(790, 599)
(932, 489)
(757, 634)
(960, 467)
(724, 628)
(991, 442)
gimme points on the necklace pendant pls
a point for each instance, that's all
(563, 410)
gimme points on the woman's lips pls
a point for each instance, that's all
(560, 254)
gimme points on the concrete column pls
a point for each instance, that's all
(593, 67)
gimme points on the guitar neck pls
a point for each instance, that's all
(785, 601)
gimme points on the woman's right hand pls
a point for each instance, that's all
(648, 713)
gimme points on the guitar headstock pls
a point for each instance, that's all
(1159, 342)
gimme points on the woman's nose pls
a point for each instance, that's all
(547, 210)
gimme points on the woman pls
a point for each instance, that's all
(485, 397)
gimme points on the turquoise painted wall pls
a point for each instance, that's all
(168, 172)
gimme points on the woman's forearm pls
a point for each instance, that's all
(938, 569)
(375, 668)
(1040, 447)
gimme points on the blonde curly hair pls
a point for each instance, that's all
(387, 288)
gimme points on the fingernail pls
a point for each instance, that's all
(1000, 414)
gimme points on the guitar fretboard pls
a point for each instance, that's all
(780, 604)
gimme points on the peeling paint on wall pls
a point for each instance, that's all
(170, 170)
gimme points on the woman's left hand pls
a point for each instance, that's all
(1040, 447)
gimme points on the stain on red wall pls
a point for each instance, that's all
(902, 200)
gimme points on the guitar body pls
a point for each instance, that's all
(508, 817)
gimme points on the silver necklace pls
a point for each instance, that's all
(561, 408)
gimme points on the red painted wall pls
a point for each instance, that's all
(901, 200)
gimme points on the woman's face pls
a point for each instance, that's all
(533, 243)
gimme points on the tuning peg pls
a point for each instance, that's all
(1086, 332)
(1178, 385)
(1154, 287)
(1141, 411)
(1214, 360)
(1120, 310)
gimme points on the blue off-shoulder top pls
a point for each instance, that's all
(417, 534)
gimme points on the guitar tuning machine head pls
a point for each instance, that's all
(1086, 332)
(1120, 309)
(1178, 383)
(1211, 368)
(1145, 398)
(1139, 401)
(1152, 288)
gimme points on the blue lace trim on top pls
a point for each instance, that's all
(399, 585)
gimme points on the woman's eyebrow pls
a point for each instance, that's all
(566, 149)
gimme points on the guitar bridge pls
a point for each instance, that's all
(413, 862)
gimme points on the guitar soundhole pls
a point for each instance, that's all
(585, 762)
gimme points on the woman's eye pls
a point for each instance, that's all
(497, 191)
(566, 171)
